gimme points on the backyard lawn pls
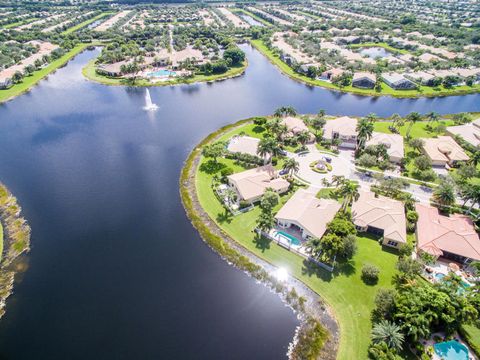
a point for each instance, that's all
(351, 300)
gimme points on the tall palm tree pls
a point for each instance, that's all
(444, 194)
(364, 131)
(349, 192)
(303, 137)
(475, 158)
(389, 333)
(432, 116)
(412, 118)
(285, 111)
(292, 166)
(265, 149)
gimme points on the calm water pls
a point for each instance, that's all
(116, 271)
(251, 20)
(375, 52)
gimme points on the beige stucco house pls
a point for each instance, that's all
(343, 128)
(443, 150)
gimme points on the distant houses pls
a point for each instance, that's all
(451, 237)
(381, 216)
(343, 128)
(251, 184)
(443, 151)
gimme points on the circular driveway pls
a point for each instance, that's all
(341, 166)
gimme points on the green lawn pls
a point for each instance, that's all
(31, 80)
(85, 23)
(419, 129)
(386, 90)
(382, 45)
(89, 72)
(344, 291)
(18, 23)
(472, 336)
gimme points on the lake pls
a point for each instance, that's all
(116, 270)
(375, 52)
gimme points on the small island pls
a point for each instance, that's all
(346, 206)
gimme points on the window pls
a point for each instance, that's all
(392, 243)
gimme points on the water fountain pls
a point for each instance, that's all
(149, 106)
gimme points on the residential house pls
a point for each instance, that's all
(305, 213)
(382, 216)
(451, 237)
(244, 145)
(343, 128)
(398, 81)
(251, 184)
(393, 143)
(421, 78)
(468, 132)
(443, 151)
(364, 80)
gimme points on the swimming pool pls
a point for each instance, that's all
(161, 73)
(292, 239)
(451, 350)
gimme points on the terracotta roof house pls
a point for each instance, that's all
(443, 150)
(331, 74)
(364, 80)
(393, 142)
(468, 132)
(398, 81)
(344, 128)
(304, 212)
(296, 125)
(244, 145)
(452, 237)
(381, 215)
(251, 184)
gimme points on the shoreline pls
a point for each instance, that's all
(88, 72)
(398, 94)
(24, 87)
(315, 307)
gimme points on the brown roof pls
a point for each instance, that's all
(382, 213)
(345, 126)
(444, 148)
(393, 142)
(310, 213)
(252, 183)
(437, 233)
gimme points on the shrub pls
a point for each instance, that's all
(370, 274)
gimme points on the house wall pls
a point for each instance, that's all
(363, 83)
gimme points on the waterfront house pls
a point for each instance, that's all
(331, 74)
(364, 80)
(295, 126)
(393, 143)
(306, 214)
(343, 128)
(382, 216)
(421, 78)
(443, 151)
(251, 184)
(451, 237)
(398, 81)
(468, 132)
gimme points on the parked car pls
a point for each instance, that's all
(283, 172)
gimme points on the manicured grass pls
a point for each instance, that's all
(351, 300)
(85, 23)
(382, 45)
(18, 23)
(419, 129)
(471, 333)
(89, 72)
(31, 80)
(385, 89)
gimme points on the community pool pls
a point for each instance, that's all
(292, 239)
(451, 350)
(162, 73)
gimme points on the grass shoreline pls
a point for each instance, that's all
(85, 23)
(30, 81)
(425, 91)
(89, 73)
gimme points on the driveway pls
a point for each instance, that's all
(341, 166)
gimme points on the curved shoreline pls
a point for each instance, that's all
(109, 81)
(398, 94)
(235, 254)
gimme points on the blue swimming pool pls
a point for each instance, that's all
(160, 73)
(451, 350)
(293, 240)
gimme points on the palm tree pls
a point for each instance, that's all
(397, 121)
(417, 144)
(389, 333)
(365, 131)
(444, 194)
(432, 116)
(265, 149)
(475, 158)
(349, 192)
(285, 111)
(303, 137)
(292, 166)
(412, 118)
